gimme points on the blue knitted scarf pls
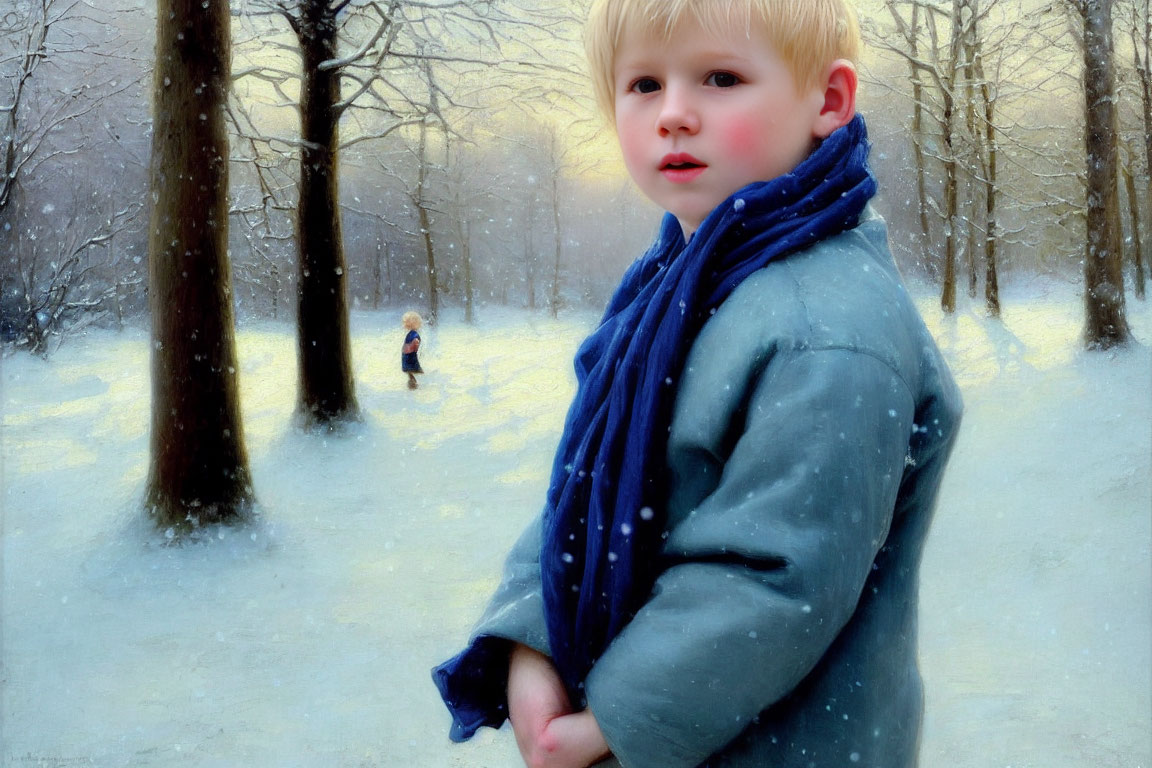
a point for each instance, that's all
(604, 518)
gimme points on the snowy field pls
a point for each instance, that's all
(307, 638)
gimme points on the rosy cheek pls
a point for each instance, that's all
(744, 137)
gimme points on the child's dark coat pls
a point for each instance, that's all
(409, 359)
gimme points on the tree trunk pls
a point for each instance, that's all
(558, 240)
(383, 272)
(1142, 50)
(377, 278)
(918, 138)
(426, 226)
(199, 466)
(530, 277)
(530, 259)
(275, 273)
(118, 304)
(466, 255)
(433, 289)
(991, 276)
(948, 295)
(1134, 218)
(1106, 325)
(973, 241)
(977, 162)
(388, 272)
(327, 391)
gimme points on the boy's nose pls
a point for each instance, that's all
(677, 113)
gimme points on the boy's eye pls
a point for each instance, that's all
(722, 79)
(645, 85)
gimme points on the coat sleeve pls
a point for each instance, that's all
(765, 571)
(516, 611)
(473, 684)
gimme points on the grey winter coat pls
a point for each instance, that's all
(811, 429)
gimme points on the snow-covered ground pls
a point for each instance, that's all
(306, 639)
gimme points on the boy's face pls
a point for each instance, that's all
(699, 116)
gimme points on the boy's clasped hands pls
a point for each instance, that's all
(548, 733)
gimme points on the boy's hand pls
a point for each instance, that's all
(548, 733)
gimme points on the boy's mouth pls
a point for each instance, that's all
(681, 167)
(680, 161)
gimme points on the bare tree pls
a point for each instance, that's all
(912, 33)
(199, 465)
(261, 214)
(1126, 171)
(60, 270)
(324, 350)
(458, 202)
(554, 159)
(1137, 16)
(1140, 32)
(424, 209)
(56, 281)
(1105, 323)
(530, 258)
(971, 154)
(416, 179)
(25, 135)
(982, 134)
(943, 64)
(381, 273)
(555, 156)
(376, 271)
(36, 35)
(470, 185)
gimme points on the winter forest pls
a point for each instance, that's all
(230, 535)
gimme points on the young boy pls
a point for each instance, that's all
(410, 351)
(725, 572)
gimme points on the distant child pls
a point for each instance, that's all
(725, 569)
(409, 362)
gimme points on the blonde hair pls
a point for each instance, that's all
(807, 34)
(412, 320)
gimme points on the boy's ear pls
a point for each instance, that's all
(839, 99)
